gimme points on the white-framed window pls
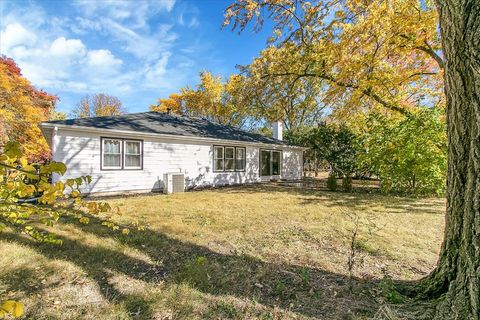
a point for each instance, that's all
(121, 154)
(133, 154)
(112, 153)
(240, 159)
(218, 159)
(227, 158)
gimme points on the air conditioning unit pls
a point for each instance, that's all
(173, 182)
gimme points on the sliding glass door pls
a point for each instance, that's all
(270, 162)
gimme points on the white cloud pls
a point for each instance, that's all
(186, 21)
(102, 58)
(67, 48)
(15, 34)
(137, 12)
(157, 70)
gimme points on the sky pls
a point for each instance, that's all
(135, 50)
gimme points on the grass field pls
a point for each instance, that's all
(259, 252)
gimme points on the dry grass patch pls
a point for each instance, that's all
(234, 253)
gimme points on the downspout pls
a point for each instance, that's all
(55, 176)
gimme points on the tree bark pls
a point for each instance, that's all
(456, 280)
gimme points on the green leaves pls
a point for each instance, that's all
(409, 154)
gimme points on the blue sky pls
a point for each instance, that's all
(135, 50)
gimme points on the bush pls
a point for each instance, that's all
(347, 184)
(332, 182)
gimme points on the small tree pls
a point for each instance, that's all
(99, 105)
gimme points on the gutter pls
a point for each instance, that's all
(52, 126)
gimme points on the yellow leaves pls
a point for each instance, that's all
(54, 167)
(213, 98)
(373, 58)
(12, 150)
(92, 207)
(125, 231)
(23, 107)
(84, 220)
(25, 190)
(14, 308)
(174, 103)
(29, 202)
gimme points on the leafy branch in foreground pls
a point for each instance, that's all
(28, 198)
(30, 201)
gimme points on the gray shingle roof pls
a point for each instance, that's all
(163, 123)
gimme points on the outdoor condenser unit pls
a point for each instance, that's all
(173, 182)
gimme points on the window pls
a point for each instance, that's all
(133, 154)
(265, 163)
(120, 154)
(270, 162)
(240, 159)
(228, 159)
(218, 159)
(112, 154)
(275, 163)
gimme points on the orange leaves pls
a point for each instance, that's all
(173, 103)
(23, 107)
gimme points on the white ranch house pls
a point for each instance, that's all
(133, 152)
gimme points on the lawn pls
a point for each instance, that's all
(259, 252)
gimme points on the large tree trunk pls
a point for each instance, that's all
(456, 281)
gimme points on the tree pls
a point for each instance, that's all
(296, 103)
(364, 54)
(213, 99)
(100, 105)
(174, 103)
(22, 107)
(335, 144)
(456, 280)
(58, 115)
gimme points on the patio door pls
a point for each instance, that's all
(270, 162)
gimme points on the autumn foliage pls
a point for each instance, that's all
(22, 108)
(214, 99)
(98, 105)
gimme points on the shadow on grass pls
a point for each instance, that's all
(353, 200)
(308, 291)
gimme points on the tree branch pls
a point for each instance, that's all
(431, 52)
(368, 91)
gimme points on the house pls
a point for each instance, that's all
(132, 152)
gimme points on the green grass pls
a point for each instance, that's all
(255, 252)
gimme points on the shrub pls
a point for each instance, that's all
(332, 182)
(347, 184)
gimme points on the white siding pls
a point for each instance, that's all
(80, 152)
